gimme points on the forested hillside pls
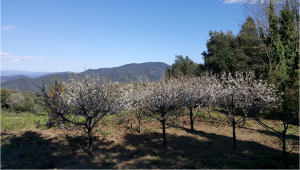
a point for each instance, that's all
(126, 73)
(6, 78)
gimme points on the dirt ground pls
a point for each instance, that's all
(210, 145)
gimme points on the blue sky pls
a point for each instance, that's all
(70, 35)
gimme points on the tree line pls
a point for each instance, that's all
(17, 101)
(267, 43)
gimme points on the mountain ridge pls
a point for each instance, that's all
(6, 78)
(30, 74)
(125, 73)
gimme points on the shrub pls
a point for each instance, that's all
(28, 103)
(36, 108)
(4, 95)
(16, 101)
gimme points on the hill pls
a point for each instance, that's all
(129, 72)
(11, 73)
(6, 78)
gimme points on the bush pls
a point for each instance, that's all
(4, 95)
(291, 104)
(16, 101)
(36, 108)
(19, 101)
(28, 104)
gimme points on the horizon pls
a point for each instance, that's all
(105, 34)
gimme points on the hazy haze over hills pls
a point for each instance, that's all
(6, 78)
(153, 70)
(10, 73)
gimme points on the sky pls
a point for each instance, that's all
(74, 35)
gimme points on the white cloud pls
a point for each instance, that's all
(10, 57)
(7, 58)
(237, 1)
(8, 27)
(54, 61)
(231, 1)
(29, 57)
(5, 54)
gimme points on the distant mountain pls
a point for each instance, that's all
(153, 71)
(126, 73)
(6, 78)
(26, 73)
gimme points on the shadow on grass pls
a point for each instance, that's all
(197, 150)
(216, 151)
(266, 132)
(32, 151)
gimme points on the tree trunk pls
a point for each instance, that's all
(191, 117)
(284, 150)
(234, 136)
(140, 126)
(90, 141)
(164, 134)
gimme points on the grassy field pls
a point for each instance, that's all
(11, 121)
(27, 143)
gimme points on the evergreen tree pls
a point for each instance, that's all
(290, 43)
(283, 41)
(219, 56)
(182, 67)
(248, 46)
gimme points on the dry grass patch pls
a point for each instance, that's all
(120, 146)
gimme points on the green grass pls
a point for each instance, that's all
(12, 121)
(147, 130)
(215, 115)
(249, 124)
(294, 130)
(201, 114)
(102, 132)
(80, 119)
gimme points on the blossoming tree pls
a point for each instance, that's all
(161, 97)
(91, 98)
(241, 94)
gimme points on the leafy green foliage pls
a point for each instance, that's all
(247, 48)
(19, 101)
(4, 95)
(16, 101)
(219, 56)
(182, 67)
(280, 48)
